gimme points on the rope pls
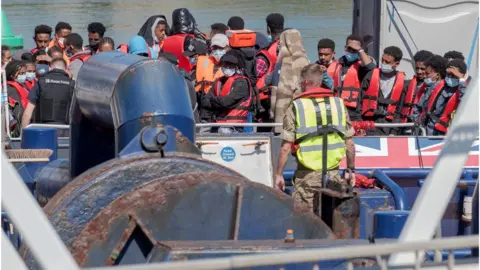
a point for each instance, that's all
(401, 20)
(472, 48)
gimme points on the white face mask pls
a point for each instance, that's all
(61, 41)
(228, 72)
(218, 54)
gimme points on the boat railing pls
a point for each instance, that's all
(209, 125)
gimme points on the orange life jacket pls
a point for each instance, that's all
(22, 93)
(442, 123)
(34, 50)
(272, 50)
(124, 49)
(411, 99)
(370, 99)
(30, 84)
(204, 76)
(333, 71)
(241, 38)
(238, 114)
(350, 86)
(81, 57)
(174, 44)
(264, 90)
(316, 92)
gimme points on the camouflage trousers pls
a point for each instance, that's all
(308, 183)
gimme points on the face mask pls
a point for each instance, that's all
(93, 44)
(270, 38)
(61, 42)
(228, 72)
(386, 68)
(21, 78)
(452, 82)
(327, 81)
(30, 76)
(218, 54)
(42, 68)
(351, 57)
(193, 61)
(428, 81)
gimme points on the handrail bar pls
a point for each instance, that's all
(310, 255)
(382, 125)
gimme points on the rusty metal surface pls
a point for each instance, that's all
(121, 211)
(341, 212)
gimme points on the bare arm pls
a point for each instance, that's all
(285, 151)
(27, 114)
(350, 145)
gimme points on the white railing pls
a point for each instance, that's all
(315, 255)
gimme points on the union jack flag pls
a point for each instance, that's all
(402, 152)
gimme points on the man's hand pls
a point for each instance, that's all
(350, 178)
(354, 45)
(280, 182)
(455, 72)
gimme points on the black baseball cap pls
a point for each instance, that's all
(233, 57)
(195, 47)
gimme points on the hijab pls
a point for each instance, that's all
(293, 59)
(147, 31)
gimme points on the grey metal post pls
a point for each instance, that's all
(32, 223)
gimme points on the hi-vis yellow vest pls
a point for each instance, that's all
(314, 115)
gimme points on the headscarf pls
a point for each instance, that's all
(147, 31)
(293, 58)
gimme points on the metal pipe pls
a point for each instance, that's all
(407, 173)
(461, 183)
(5, 103)
(309, 255)
(397, 192)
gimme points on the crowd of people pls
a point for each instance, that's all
(237, 75)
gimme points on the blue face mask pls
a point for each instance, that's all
(452, 82)
(270, 38)
(21, 78)
(428, 81)
(327, 81)
(351, 57)
(193, 61)
(42, 68)
(228, 72)
(30, 76)
(386, 68)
